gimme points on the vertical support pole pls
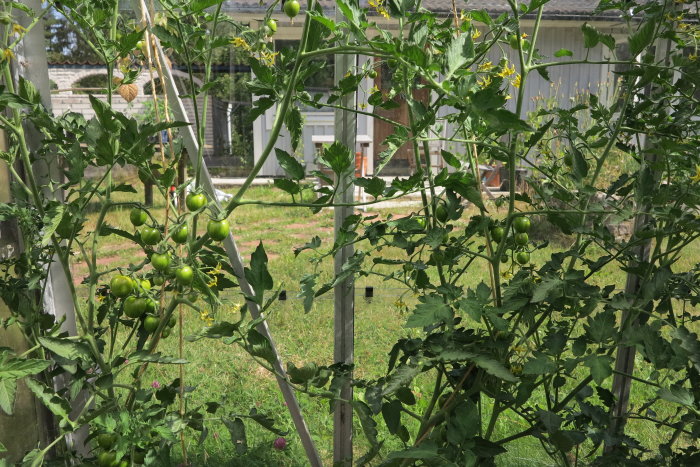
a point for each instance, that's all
(191, 145)
(344, 305)
(624, 361)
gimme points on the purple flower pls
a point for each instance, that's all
(155, 384)
(280, 443)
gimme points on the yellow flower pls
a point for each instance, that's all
(696, 177)
(240, 43)
(516, 369)
(268, 57)
(506, 275)
(374, 89)
(484, 82)
(486, 66)
(378, 6)
(18, 29)
(399, 303)
(516, 81)
(508, 96)
(363, 106)
(692, 57)
(507, 70)
(476, 34)
(520, 348)
(7, 54)
(523, 35)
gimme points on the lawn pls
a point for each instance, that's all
(225, 373)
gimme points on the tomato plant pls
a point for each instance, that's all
(521, 224)
(121, 286)
(134, 307)
(160, 261)
(184, 275)
(150, 235)
(180, 234)
(138, 217)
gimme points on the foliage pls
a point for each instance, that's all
(536, 342)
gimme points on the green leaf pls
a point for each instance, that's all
(600, 366)
(678, 395)
(295, 125)
(426, 450)
(373, 186)
(57, 405)
(549, 285)
(391, 411)
(257, 275)
(16, 368)
(337, 157)
(432, 311)
(485, 362)
(287, 185)
(601, 327)
(451, 159)
(401, 377)
(290, 165)
(52, 218)
(590, 36)
(563, 53)
(2, 449)
(308, 282)
(145, 356)
(236, 429)
(458, 53)
(199, 5)
(8, 389)
(259, 346)
(550, 420)
(68, 349)
(580, 165)
(642, 37)
(265, 421)
(369, 427)
(539, 365)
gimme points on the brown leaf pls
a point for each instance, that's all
(128, 91)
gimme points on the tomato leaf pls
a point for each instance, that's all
(290, 164)
(8, 389)
(257, 274)
(236, 429)
(600, 366)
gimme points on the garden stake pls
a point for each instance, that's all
(232, 251)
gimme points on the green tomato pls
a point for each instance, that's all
(150, 235)
(497, 234)
(139, 457)
(172, 321)
(121, 286)
(105, 459)
(218, 230)
(160, 261)
(272, 24)
(138, 216)
(180, 234)
(123, 463)
(441, 213)
(522, 257)
(134, 307)
(107, 440)
(504, 258)
(159, 280)
(521, 224)
(146, 284)
(195, 201)
(165, 333)
(150, 306)
(184, 275)
(521, 239)
(291, 8)
(150, 324)
(372, 74)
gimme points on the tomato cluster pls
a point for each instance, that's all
(517, 242)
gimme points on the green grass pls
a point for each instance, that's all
(220, 372)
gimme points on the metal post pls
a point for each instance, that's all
(232, 251)
(344, 305)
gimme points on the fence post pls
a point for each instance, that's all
(344, 292)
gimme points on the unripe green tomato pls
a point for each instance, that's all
(159, 280)
(195, 201)
(105, 459)
(441, 213)
(150, 306)
(568, 159)
(372, 73)
(521, 239)
(165, 333)
(150, 235)
(146, 284)
(138, 217)
(134, 307)
(139, 457)
(121, 286)
(180, 234)
(184, 275)
(193, 297)
(218, 229)
(291, 8)
(160, 261)
(504, 259)
(150, 323)
(522, 257)
(521, 224)
(272, 24)
(107, 440)
(172, 321)
(497, 234)
(123, 463)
